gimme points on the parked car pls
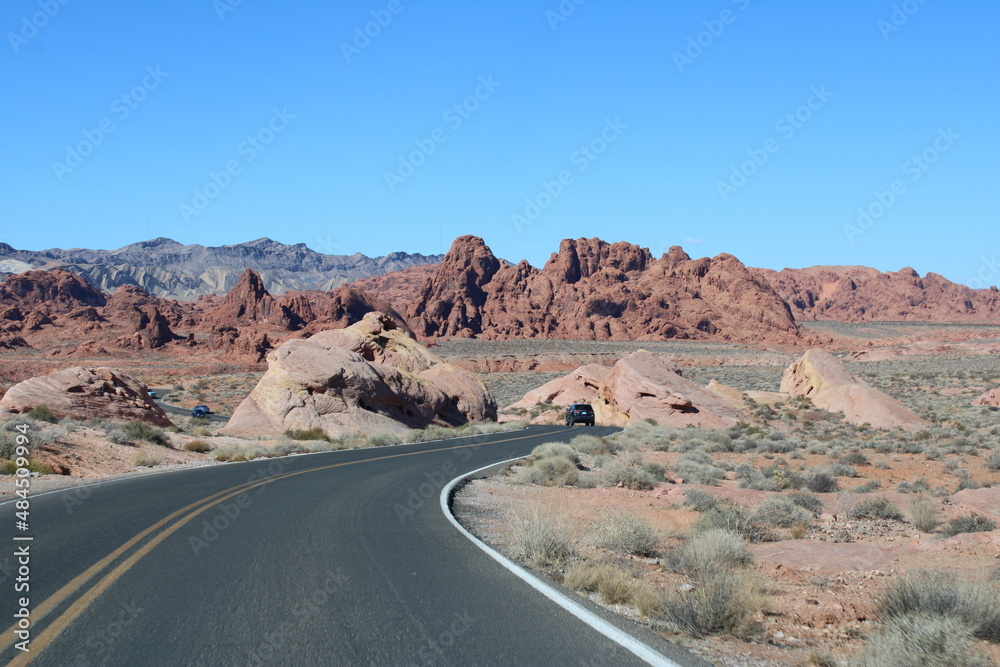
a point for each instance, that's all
(200, 411)
(579, 413)
(151, 394)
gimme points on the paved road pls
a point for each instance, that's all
(326, 559)
(175, 411)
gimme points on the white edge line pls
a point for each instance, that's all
(615, 634)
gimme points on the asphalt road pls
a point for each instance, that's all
(329, 559)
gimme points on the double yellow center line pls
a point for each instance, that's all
(180, 518)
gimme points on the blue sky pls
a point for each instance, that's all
(782, 132)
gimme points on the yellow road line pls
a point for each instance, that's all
(62, 622)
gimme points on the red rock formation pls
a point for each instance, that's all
(249, 303)
(863, 294)
(58, 290)
(398, 289)
(348, 305)
(249, 345)
(149, 329)
(591, 290)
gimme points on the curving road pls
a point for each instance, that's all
(328, 559)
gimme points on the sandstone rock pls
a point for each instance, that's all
(149, 329)
(249, 303)
(863, 294)
(370, 376)
(639, 386)
(249, 345)
(832, 387)
(58, 290)
(595, 290)
(731, 395)
(86, 393)
(349, 305)
(648, 386)
(991, 397)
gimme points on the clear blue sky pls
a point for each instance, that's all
(200, 78)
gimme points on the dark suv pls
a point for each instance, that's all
(200, 411)
(579, 413)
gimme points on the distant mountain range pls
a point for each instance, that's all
(168, 269)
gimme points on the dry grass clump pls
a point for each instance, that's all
(876, 507)
(782, 512)
(629, 477)
(993, 462)
(594, 446)
(735, 518)
(550, 464)
(699, 500)
(921, 639)
(924, 514)
(199, 446)
(307, 434)
(626, 534)
(696, 466)
(969, 524)
(380, 439)
(613, 585)
(248, 451)
(144, 459)
(540, 539)
(942, 595)
(713, 550)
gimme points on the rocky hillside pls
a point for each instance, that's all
(860, 294)
(169, 269)
(594, 290)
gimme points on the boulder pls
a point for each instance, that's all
(821, 377)
(990, 398)
(86, 393)
(368, 377)
(640, 386)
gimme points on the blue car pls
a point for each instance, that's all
(200, 411)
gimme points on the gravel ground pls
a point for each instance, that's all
(468, 347)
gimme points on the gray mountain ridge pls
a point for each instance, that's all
(169, 269)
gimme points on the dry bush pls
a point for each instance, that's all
(699, 500)
(199, 446)
(629, 477)
(821, 482)
(590, 444)
(146, 459)
(725, 602)
(969, 524)
(626, 534)
(548, 471)
(942, 595)
(307, 434)
(875, 507)
(993, 462)
(781, 511)
(541, 539)
(737, 519)
(381, 439)
(714, 551)
(921, 639)
(556, 449)
(806, 501)
(924, 514)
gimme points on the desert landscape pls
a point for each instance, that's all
(807, 471)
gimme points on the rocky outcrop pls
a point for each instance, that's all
(370, 376)
(863, 294)
(148, 329)
(248, 345)
(990, 398)
(348, 305)
(595, 290)
(55, 291)
(821, 377)
(640, 386)
(398, 289)
(86, 393)
(250, 303)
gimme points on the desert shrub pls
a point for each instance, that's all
(199, 446)
(837, 469)
(919, 486)
(548, 471)
(34, 465)
(699, 500)
(806, 501)
(381, 439)
(698, 467)
(944, 596)
(723, 603)
(969, 524)
(749, 477)
(589, 444)
(557, 450)
(821, 482)
(118, 436)
(868, 487)
(43, 413)
(736, 518)
(781, 511)
(140, 430)
(146, 459)
(307, 434)
(993, 462)
(855, 459)
(921, 639)
(613, 584)
(924, 514)
(875, 507)
(713, 550)
(626, 534)
(541, 539)
(629, 477)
